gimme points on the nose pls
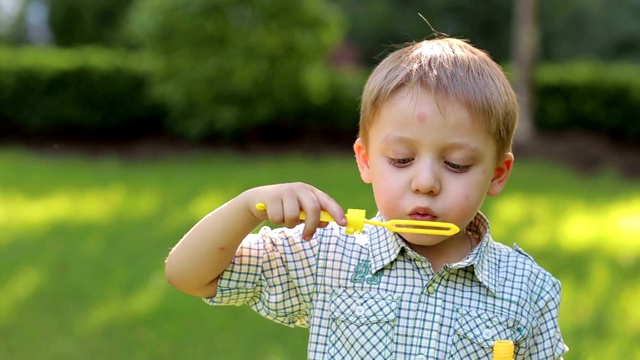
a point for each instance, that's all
(426, 178)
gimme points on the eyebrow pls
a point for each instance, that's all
(465, 146)
(402, 139)
(394, 139)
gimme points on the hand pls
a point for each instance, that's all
(285, 201)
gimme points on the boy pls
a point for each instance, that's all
(436, 127)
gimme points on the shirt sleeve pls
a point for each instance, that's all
(273, 272)
(547, 342)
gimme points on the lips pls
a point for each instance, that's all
(423, 214)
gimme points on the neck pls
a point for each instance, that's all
(448, 251)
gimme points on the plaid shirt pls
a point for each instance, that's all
(370, 296)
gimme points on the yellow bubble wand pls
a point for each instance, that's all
(356, 218)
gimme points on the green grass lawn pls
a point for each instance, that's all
(83, 240)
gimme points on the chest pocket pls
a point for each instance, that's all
(362, 325)
(475, 333)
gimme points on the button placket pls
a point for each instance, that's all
(432, 286)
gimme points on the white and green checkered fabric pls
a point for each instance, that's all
(370, 296)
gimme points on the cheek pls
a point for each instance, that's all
(386, 191)
(464, 206)
(469, 196)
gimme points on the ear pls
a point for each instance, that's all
(500, 175)
(362, 158)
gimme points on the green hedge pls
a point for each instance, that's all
(598, 97)
(88, 91)
(99, 92)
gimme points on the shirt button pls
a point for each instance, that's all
(421, 357)
(360, 310)
(487, 333)
(431, 289)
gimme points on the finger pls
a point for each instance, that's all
(291, 211)
(328, 204)
(275, 212)
(312, 209)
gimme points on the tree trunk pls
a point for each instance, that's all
(524, 51)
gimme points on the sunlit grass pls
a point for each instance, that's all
(83, 242)
(572, 223)
(22, 284)
(121, 309)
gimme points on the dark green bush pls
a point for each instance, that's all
(597, 97)
(46, 91)
(340, 110)
(229, 66)
(84, 22)
(332, 120)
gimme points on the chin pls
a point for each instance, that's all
(423, 240)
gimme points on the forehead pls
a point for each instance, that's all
(417, 104)
(413, 116)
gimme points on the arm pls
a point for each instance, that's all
(196, 262)
(547, 342)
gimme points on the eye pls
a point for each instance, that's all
(457, 167)
(403, 162)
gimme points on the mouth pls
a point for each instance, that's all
(423, 214)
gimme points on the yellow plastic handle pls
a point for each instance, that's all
(356, 218)
(324, 216)
(503, 350)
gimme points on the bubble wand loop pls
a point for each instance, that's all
(356, 220)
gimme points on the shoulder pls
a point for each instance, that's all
(518, 269)
(515, 258)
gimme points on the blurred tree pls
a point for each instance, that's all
(524, 51)
(604, 29)
(232, 64)
(377, 26)
(601, 29)
(80, 22)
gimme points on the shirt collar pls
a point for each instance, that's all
(385, 246)
(483, 258)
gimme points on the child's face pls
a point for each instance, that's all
(428, 159)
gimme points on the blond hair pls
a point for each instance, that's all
(451, 68)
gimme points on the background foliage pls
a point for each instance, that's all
(594, 96)
(86, 92)
(227, 66)
(98, 92)
(216, 70)
(93, 22)
(604, 29)
(244, 70)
